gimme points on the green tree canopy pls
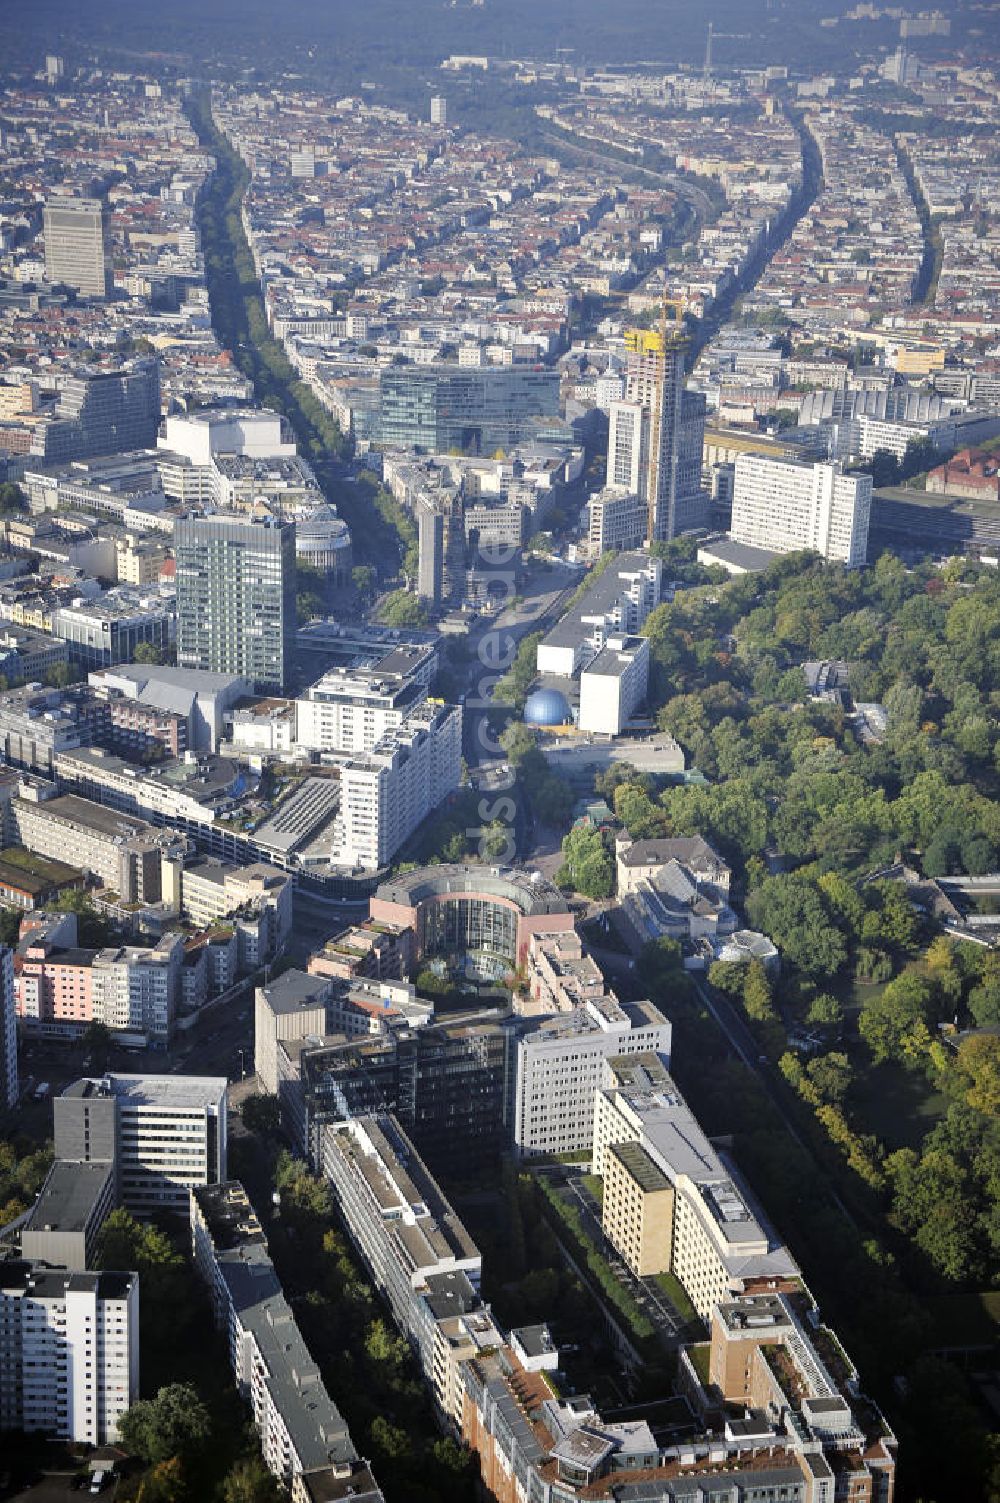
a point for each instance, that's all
(173, 1424)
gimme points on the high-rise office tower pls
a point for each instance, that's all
(439, 110)
(441, 544)
(76, 245)
(655, 436)
(236, 596)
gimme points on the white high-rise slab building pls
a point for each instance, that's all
(69, 1350)
(783, 505)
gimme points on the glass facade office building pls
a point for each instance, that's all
(236, 597)
(475, 410)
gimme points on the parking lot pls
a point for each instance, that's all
(41, 1471)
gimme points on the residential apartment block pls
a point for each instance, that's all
(69, 1351)
(303, 1437)
(783, 505)
(385, 794)
(61, 989)
(352, 707)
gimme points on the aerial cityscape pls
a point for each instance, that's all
(500, 752)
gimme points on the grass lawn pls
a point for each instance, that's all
(861, 994)
(699, 1356)
(594, 1185)
(897, 1105)
(965, 1319)
(677, 1295)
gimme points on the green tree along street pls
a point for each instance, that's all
(189, 1428)
(588, 867)
(382, 533)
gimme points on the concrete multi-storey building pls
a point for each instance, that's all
(418, 1252)
(628, 453)
(101, 412)
(293, 1006)
(613, 685)
(36, 724)
(560, 1065)
(303, 1437)
(204, 700)
(718, 1244)
(783, 505)
(65, 1222)
(164, 1134)
(236, 597)
(441, 543)
(69, 1351)
(199, 436)
(257, 900)
(76, 244)
(99, 633)
(559, 975)
(615, 604)
(640, 1209)
(616, 520)
(385, 794)
(129, 856)
(475, 410)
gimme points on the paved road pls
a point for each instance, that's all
(546, 589)
(212, 1047)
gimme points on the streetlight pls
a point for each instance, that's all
(243, 1073)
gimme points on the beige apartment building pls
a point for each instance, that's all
(718, 1246)
(638, 1209)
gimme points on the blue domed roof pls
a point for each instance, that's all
(547, 707)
